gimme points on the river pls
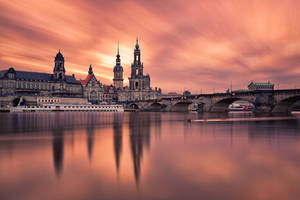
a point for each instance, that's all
(53, 156)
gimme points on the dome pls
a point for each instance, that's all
(59, 57)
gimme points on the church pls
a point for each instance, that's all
(58, 87)
(139, 84)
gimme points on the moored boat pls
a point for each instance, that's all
(68, 107)
(239, 107)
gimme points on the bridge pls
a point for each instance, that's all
(277, 101)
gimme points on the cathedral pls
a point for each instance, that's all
(58, 87)
(139, 84)
(138, 81)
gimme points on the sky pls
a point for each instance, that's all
(196, 45)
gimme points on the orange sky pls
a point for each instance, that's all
(196, 45)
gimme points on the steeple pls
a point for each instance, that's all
(90, 69)
(137, 80)
(137, 55)
(118, 53)
(118, 71)
(118, 60)
(137, 43)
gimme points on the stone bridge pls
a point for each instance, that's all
(279, 101)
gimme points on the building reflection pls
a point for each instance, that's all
(90, 141)
(58, 145)
(157, 124)
(117, 128)
(139, 128)
(91, 121)
(58, 150)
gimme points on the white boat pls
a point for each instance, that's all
(68, 107)
(239, 107)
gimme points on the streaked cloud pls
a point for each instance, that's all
(205, 44)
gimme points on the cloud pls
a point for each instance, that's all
(204, 44)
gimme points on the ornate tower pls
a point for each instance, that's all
(135, 81)
(137, 66)
(59, 67)
(118, 72)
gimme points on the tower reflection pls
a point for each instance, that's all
(91, 121)
(139, 128)
(117, 128)
(58, 150)
(58, 145)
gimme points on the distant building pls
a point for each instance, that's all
(137, 80)
(92, 89)
(186, 93)
(139, 84)
(110, 94)
(118, 72)
(260, 86)
(18, 83)
(57, 87)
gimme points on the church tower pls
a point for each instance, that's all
(138, 81)
(59, 67)
(137, 65)
(118, 72)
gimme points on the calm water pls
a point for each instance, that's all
(147, 156)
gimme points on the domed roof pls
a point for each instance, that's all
(59, 57)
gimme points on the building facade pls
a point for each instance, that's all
(13, 82)
(92, 88)
(260, 86)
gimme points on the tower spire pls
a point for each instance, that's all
(137, 43)
(118, 71)
(90, 69)
(118, 60)
(118, 53)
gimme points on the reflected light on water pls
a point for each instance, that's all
(147, 156)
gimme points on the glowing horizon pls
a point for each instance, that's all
(197, 46)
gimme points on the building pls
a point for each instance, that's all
(110, 94)
(118, 73)
(92, 88)
(137, 80)
(139, 84)
(260, 86)
(18, 83)
(58, 87)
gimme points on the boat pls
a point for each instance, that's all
(67, 108)
(239, 107)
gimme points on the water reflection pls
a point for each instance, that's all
(139, 128)
(147, 156)
(58, 145)
(90, 134)
(58, 151)
(117, 129)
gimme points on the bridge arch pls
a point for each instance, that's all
(284, 105)
(133, 106)
(223, 104)
(155, 107)
(181, 106)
